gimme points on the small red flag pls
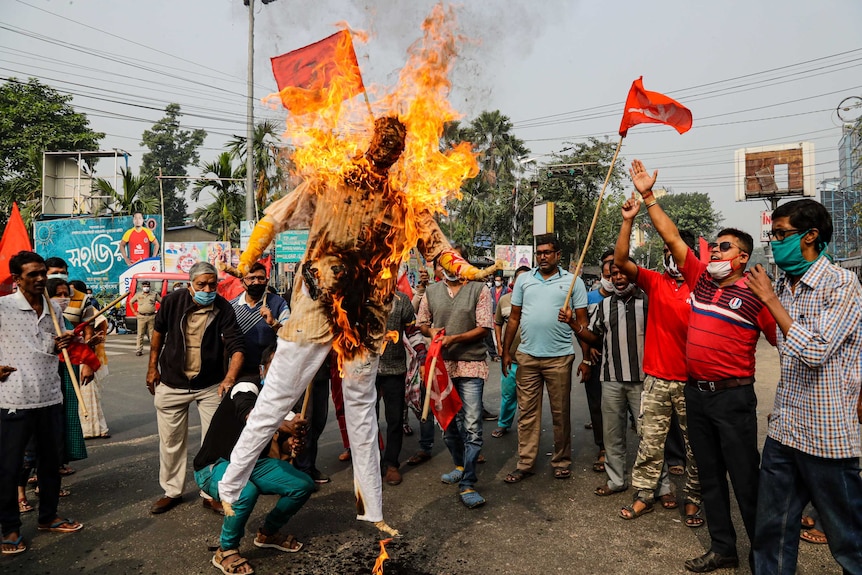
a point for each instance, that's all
(403, 285)
(304, 74)
(231, 286)
(445, 402)
(703, 247)
(81, 354)
(644, 107)
(15, 239)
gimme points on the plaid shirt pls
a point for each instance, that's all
(821, 363)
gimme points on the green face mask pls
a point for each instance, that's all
(788, 254)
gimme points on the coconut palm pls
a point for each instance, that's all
(491, 134)
(226, 211)
(269, 165)
(129, 200)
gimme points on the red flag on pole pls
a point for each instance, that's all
(15, 239)
(643, 107)
(445, 402)
(304, 75)
(231, 286)
(81, 354)
(703, 248)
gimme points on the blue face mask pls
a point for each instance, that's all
(204, 298)
(788, 254)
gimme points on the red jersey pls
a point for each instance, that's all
(667, 325)
(139, 243)
(724, 326)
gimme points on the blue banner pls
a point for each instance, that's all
(91, 246)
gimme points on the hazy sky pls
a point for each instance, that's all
(753, 73)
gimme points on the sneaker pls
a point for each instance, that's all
(319, 477)
(139, 353)
(392, 476)
(487, 415)
(453, 476)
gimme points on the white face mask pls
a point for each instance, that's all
(498, 283)
(624, 292)
(720, 269)
(63, 302)
(671, 267)
(449, 277)
(607, 285)
(146, 290)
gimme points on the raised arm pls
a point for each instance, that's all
(432, 243)
(663, 224)
(621, 251)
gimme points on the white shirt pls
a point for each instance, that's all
(27, 344)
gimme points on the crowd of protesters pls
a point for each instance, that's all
(671, 351)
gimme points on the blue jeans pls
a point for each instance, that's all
(463, 437)
(508, 398)
(789, 479)
(269, 477)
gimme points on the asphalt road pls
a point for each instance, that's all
(541, 525)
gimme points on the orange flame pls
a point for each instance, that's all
(330, 134)
(378, 564)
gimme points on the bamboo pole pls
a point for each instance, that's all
(80, 327)
(432, 373)
(589, 239)
(66, 357)
(307, 397)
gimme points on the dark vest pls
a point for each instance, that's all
(457, 315)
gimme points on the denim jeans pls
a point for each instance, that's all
(508, 398)
(269, 477)
(790, 478)
(463, 437)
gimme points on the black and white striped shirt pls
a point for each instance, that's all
(621, 323)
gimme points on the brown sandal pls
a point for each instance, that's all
(599, 463)
(629, 512)
(814, 536)
(668, 501)
(221, 561)
(604, 490)
(288, 543)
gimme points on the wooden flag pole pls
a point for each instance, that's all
(580, 265)
(432, 373)
(66, 358)
(307, 397)
(102, 311)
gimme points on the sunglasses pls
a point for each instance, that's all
(724, 246)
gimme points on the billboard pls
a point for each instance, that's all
(181, 256)
(91, 246)
(514, 257)
(290, 246)
(781, 170)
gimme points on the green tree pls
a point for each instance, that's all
(129, 200)
(172, 149)
(35, 118)
(227, 209)
(269, 164)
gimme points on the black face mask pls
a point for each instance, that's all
(255, 290)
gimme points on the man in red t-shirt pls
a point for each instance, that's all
(141, 242)
(664, 385)
(725, 323)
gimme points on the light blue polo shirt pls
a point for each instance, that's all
(540, 301)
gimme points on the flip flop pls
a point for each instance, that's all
(18, 543)
(62, 526)
(499, 432)
(814, 536)
(517, 476)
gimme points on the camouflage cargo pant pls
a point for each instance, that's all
(660, 398)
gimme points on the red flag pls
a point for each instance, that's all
(644, 107)
(703, 246)
(81, 354)
(403, 285)
(445, 402)
(15, 239)
(304, 74)
(231, 286)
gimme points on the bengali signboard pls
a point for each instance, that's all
(181, 256)
(91, 246)
(290, 246)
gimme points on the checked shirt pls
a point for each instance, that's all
(821, 363)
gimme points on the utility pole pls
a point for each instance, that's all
(249, 142)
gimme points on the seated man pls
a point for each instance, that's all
(269, 477)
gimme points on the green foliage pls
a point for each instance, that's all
(172, 149)
(35, 118)
(130, 200)
(224, 214)
(270, 166)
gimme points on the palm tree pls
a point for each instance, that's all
(228, 208)
(491, 133)
(131, 199)
(269, 168)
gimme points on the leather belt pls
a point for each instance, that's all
(721, 384)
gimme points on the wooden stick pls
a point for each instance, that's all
(307, 397)
(580, 265)
(432, 373)
(102, 311)
(66, 357)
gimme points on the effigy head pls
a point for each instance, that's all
(388, 141)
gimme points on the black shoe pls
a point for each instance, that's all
(319, 477)
(710, 561)
(487, 415)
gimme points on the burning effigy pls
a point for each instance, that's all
(374, 178)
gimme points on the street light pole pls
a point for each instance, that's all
(249, 142)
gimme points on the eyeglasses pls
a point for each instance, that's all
(781, 234)
(543, 253)
(724, 246)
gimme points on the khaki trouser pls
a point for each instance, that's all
(172, 416)
(533, 374)
(145, 324)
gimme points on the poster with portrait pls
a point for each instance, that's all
(181, 256)
(523, 256)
